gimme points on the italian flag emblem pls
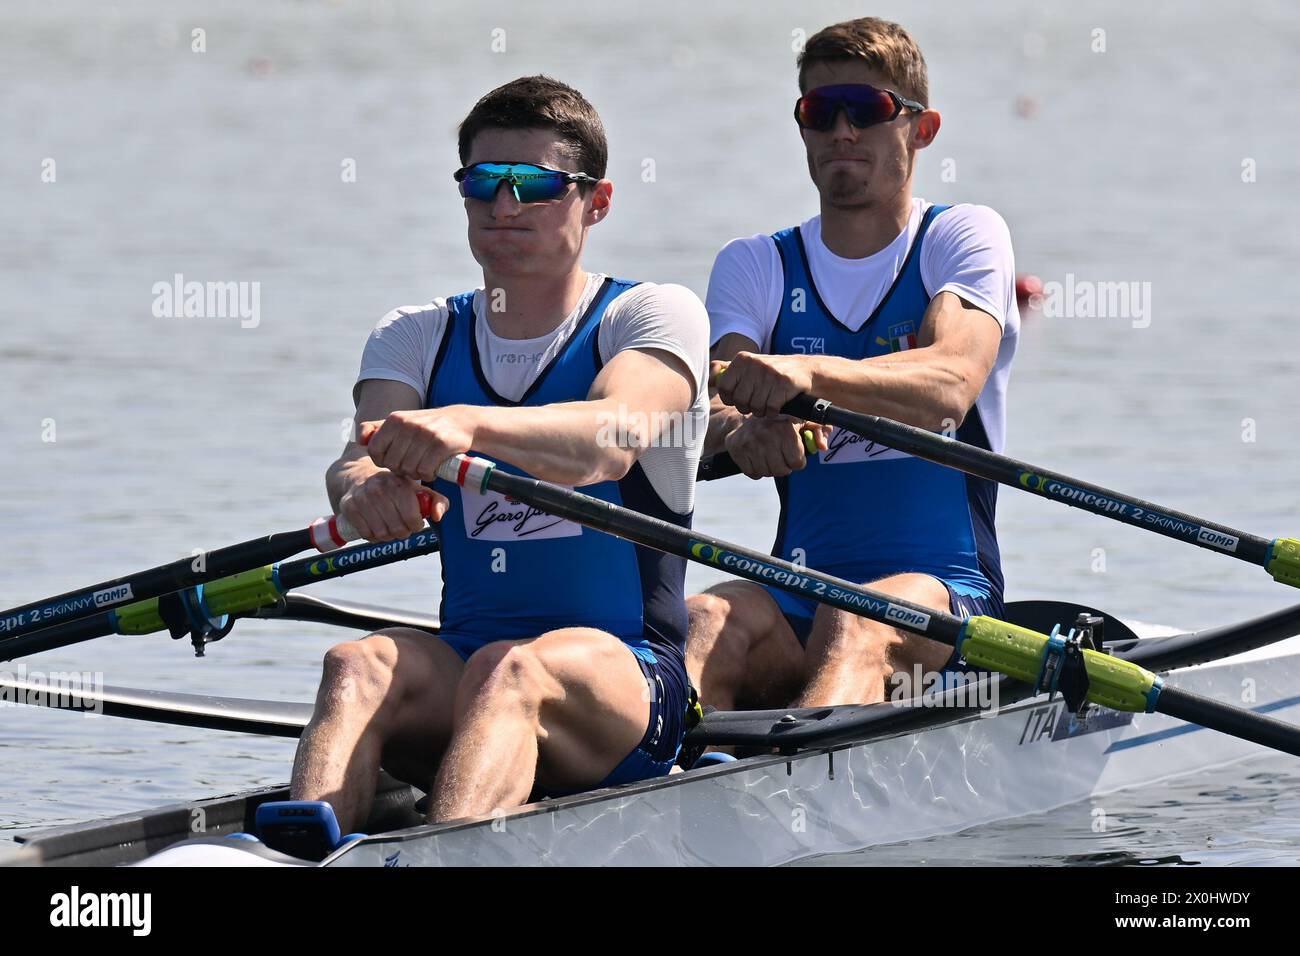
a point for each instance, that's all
(901, 338)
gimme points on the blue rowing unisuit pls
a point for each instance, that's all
(862, 511)
(510, 571)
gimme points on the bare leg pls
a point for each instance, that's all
(395, 686)
(849, 658)
(740, 651)
(563, 709)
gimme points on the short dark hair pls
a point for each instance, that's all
(540, 102)
(884, 46)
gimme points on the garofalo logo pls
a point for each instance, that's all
(78, 909)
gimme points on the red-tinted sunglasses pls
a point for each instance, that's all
(864, 106)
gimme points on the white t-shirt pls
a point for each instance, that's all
(670, 318)
(967, 251)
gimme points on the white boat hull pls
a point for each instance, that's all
(951, 774)
(1029, 758)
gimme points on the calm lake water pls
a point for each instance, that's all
(1167, 158)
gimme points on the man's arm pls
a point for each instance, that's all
(743, 301)
(933, 386)
(656, 341)
(761, 447)
(723, 418)
(569, 443)
(635, 395)
(379, 504)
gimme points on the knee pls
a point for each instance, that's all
(708, 612)
(357, 672)
(721, 615)
(504, 674)
(849, 635)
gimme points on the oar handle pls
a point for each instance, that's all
(333, 532)
(467, 471)
(806, 435)
(721, 465)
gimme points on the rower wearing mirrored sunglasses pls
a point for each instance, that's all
(883, 303)
(558, 666)
(527, 182)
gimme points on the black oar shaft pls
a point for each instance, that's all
(359, 557)
(1229, 719)
(324, 534)
(60, 635)
(1052, 485)
(184, 573)
(733, 559)
(721, 465)
(272, 718)
(281, 578)
(304, 607)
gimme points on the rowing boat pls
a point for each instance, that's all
(900, 772)
(1055, 717)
